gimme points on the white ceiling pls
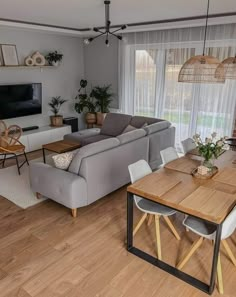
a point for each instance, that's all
(90, 13)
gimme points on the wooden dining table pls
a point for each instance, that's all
(174, 186)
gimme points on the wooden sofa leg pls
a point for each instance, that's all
(74, 212)
(38, 195)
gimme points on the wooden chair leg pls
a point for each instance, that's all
(219, 276)
(229, 251)
(158, 236)
(171, 226)
(193, 249)
(150, 217)
(74, 212)
(143, 218)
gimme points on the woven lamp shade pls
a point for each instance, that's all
(202, 69)
(229, 67)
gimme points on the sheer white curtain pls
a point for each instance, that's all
(149, 67)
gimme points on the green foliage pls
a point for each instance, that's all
(103, 97)
(55, 104)
(211, 148)
(86, 102)
(53, 57)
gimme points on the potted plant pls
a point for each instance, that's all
(103, 96)
(54, 58)
(55, 104)
(86, 104)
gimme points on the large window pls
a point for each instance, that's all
(191, 108)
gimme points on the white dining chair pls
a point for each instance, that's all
(169, 154)
(208, 231)
(137, 171)
(188, 145)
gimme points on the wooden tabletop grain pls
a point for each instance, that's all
(209, 199)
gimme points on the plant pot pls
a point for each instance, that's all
(55, 64)
(100, 118)
(91, 119)
(56, 121)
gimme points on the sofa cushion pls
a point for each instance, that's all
(91, 149)
(139, 122)
(131, 136)
(157, 127)
(82, 134)
(128, 129)
(115, 123)
(93, 139)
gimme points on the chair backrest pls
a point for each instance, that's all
(137, 171)
(169, 154)
(9, 136)
(229, 224)
(188, 145)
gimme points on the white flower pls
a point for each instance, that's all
(213, 135)
(208, 140)
(220, 143)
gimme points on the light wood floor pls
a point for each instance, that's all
(44, 252)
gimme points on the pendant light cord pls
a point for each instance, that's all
(204, 44)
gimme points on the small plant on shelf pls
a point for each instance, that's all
(54, 58)
(55, 104)
(86, 103)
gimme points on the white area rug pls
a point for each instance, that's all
(16, 188)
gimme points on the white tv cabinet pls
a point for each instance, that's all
(34, 139)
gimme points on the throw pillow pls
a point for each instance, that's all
(144, 125)
(63, 161)
(129, 128)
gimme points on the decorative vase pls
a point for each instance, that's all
(91, 119)
(209, 164)
(39, 59)
(56, 121)
(100, 118)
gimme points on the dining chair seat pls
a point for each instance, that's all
(200, 227)
(154, 208)
(208, 231)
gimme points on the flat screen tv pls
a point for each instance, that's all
(20, 100)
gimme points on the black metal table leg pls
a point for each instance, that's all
(215, 258)
(207, 288)
(17, 164)
(130, 204)
(44, 157)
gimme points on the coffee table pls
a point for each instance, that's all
(59, 147)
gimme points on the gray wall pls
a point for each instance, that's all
(101, 65)
(62, 81)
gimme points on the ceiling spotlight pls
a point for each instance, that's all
(86, 41)
(107, 30)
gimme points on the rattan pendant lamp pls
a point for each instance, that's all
(229, 68)
(202, 68)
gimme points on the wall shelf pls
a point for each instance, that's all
(27, 67)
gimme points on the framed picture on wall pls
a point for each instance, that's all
(9, 54)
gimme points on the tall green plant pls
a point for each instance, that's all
(86, 102)
(103, 96)
(55, 104)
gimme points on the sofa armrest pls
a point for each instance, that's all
(156, 127)
(61, 186)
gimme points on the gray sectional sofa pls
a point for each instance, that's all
(101, 165)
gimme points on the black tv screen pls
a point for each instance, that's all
(20, 100)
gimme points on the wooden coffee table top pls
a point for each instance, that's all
(61, 146)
